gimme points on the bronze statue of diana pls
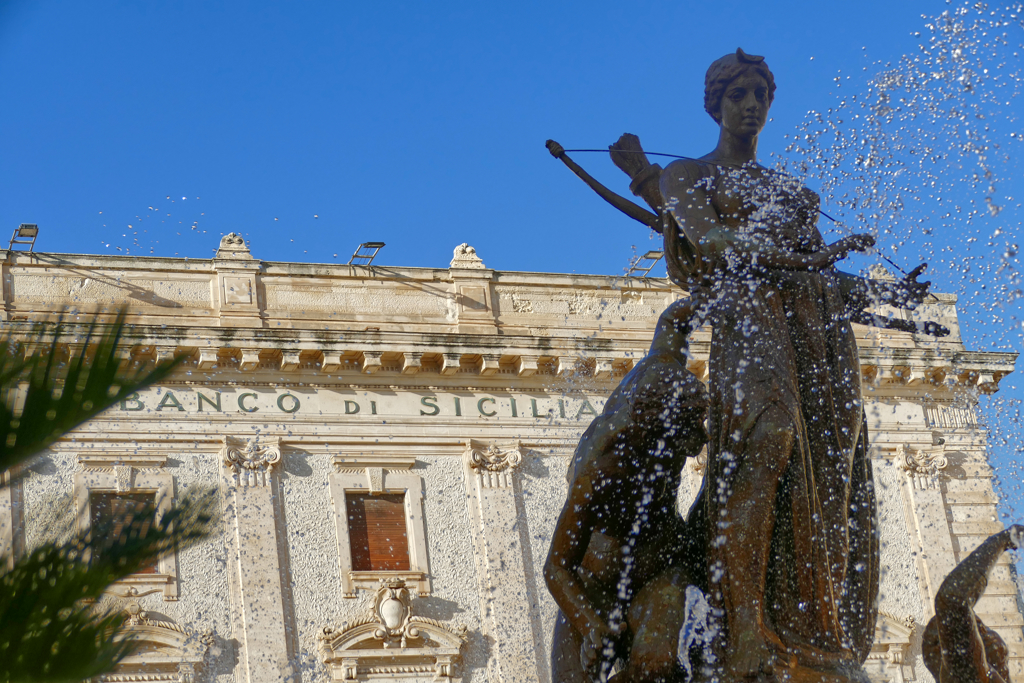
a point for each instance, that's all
(784, 531)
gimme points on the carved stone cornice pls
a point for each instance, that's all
(251, 463)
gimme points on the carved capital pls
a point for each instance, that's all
(493, 464)
(251, 463)
(922, 466)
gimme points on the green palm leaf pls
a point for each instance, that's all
(57, 396)
(50, 628)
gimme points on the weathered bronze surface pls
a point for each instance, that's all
(782, 539)
(957, 646)
(619, 531)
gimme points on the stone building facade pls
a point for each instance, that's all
(390, 447)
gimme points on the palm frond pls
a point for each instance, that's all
(59, 396)
(50, 627)
(49, 630)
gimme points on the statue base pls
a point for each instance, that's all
(805, 675)
(798, 674)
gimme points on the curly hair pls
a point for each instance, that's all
(724, 71)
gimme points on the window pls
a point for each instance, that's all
(108, 508)
(378, 511)
(377, 531)
(110, 486)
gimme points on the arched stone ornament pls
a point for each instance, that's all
(391, 643)
(164, 650)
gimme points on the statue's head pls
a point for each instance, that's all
(724, 71)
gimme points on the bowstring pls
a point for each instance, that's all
(679, 156)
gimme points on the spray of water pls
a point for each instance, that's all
(921, 153)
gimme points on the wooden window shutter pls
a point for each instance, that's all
(112, 510)
(377, 530)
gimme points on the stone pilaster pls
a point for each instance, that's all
(12, 536)
(501, 571)
(259, 601)
(923, 495)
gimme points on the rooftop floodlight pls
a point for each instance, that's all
(25, 233)
(365, 253)
(641, 266)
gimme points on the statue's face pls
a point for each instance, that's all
(744, 108)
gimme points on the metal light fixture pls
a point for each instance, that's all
(25, 233)
(365, 253)
(642, 266)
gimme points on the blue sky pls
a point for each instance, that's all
(418, 124)
(156, 127)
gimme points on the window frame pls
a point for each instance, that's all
(380, 476)
(128, 474)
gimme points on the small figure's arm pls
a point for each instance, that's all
(568, 547)
(963, 650)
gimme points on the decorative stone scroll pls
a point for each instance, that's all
(465, 257)
(391, 641)
(494, 465)
(252, 464)
(922, 466)
(700, 463)
(232, 245)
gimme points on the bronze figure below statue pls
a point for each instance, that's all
(957, 647)
(782, 539)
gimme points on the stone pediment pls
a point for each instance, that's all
(164, 650)
(889, 654)
(391, 641)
